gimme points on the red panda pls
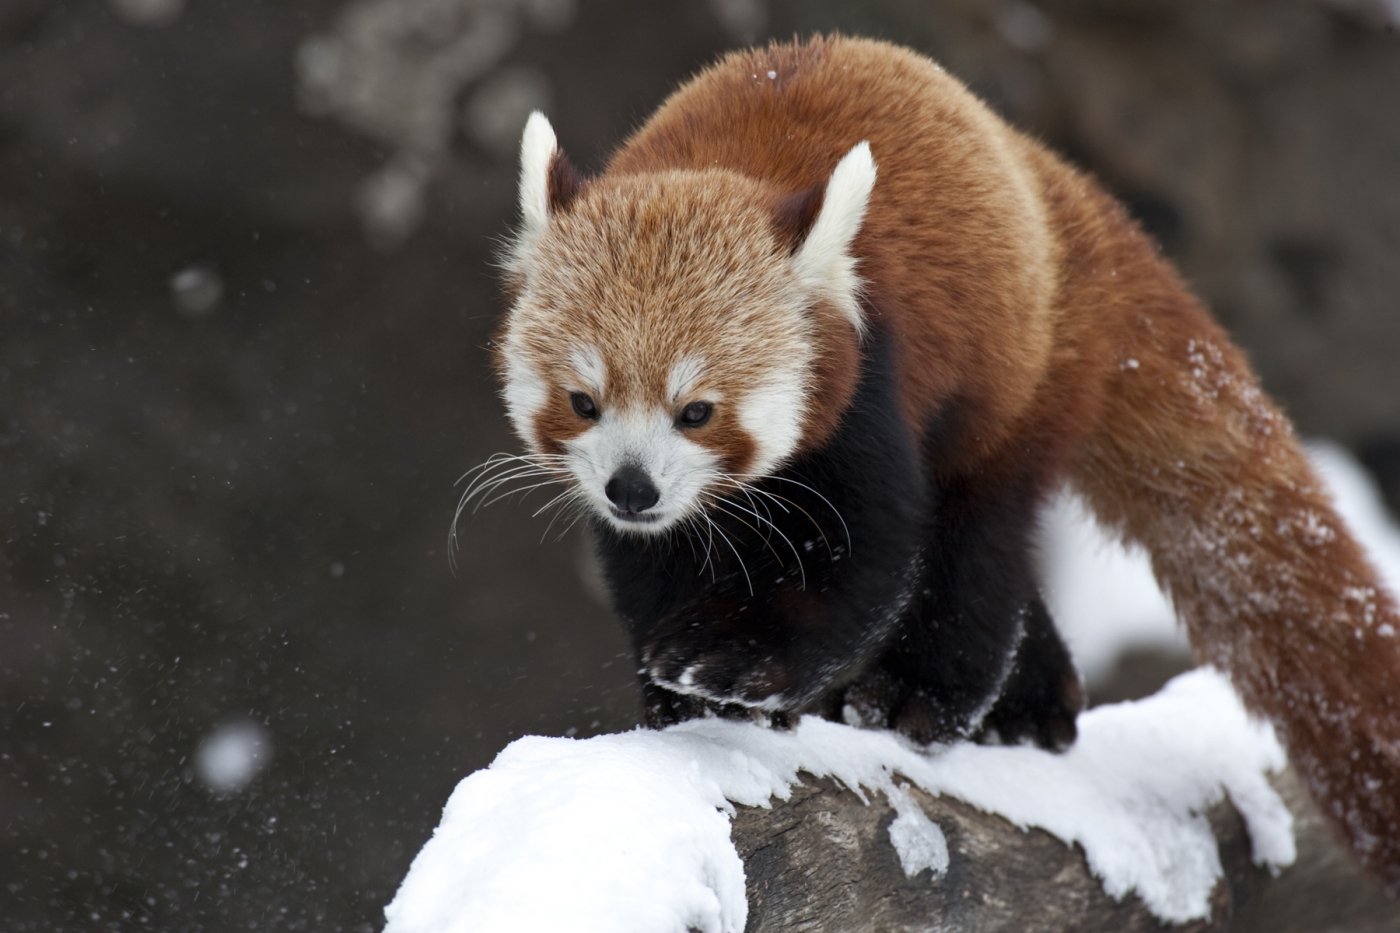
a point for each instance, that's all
(811, 352)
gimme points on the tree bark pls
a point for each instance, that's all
(822, 861)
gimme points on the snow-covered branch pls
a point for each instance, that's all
(822, 861)
(722, 827)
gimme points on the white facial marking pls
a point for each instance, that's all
(588, 365)
(525, 392)
(683, 377)
(823, 265)
(772, 416)
(679, 468)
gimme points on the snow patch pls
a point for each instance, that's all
(630, 832)
(1102, 596)
(917, 840)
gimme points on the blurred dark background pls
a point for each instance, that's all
(246, 283)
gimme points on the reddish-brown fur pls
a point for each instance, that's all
(1020, 291)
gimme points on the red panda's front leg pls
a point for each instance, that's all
(777, 650)
(787, 590)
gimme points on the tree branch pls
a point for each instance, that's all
(823, 861)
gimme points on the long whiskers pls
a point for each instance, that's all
(754, 507)
(497, 478)
(741, 499)
(690, 524)
(762, 521)
(574, 506)
(845, 530)
(715, 528)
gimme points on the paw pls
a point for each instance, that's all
(870, 702)
(664, 708)
(883, 700)
(1041, 699)
(1045, 718)
(880, 700)
(724, 674)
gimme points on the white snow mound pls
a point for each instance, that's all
(630, 832)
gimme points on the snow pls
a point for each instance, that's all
(630, 832)
(232, 755)
(917, 840)
(1102, 596)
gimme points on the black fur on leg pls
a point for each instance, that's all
(977, 642)
(954, 649)
(1043, 695)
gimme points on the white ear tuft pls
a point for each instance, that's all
(537, 147)
(823, 264)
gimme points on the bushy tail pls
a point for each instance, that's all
(1195, 464)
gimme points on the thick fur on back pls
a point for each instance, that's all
(957, 249)
(1037, 337)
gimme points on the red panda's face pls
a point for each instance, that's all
(659, 351)
(662, 347)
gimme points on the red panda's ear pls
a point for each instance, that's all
(548, 182)
(794, 215)
(823, 262)
(565, 182)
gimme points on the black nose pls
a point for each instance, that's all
(631, 490)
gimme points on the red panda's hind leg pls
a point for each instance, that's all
(976, 654)
(1043, 695)
(1037, 705)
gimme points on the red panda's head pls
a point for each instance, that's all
(671, 330)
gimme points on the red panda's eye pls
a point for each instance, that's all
(696, 414)
(583, 406)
